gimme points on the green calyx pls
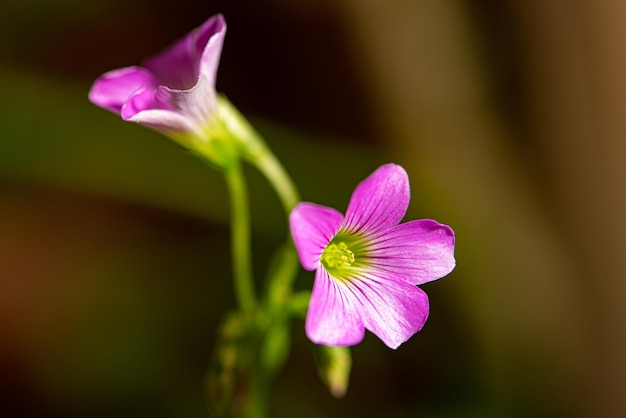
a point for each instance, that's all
(221, 139)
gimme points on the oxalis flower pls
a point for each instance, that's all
(367, 266)
(174, 91)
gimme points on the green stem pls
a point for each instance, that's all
(255, 150)
(259, 396)
(240, 237)
(267, 163)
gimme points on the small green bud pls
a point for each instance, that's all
(334, 365)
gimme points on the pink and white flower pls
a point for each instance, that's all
(367, 265)
(174, 91)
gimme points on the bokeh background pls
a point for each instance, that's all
(510, 118)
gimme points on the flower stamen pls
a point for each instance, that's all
(337, 255)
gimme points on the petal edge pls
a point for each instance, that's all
(392, 309)
(380, 201)
(312, 228)
(417, 251)
(114, 88)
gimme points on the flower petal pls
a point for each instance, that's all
(215, 30)
(392, 309)
(179, 66)
(380, 201)
(417, 251)
(312, 227)
(173, 110)
(332, 318)
(198, 103)
(142, 99)
(113, 89)
(163, 120)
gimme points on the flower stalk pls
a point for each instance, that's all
(255, 150)
(240, 237)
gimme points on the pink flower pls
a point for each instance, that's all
(174, 91)
(367, 265)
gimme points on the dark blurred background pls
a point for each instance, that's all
(510, 118)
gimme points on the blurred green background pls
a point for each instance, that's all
(510, 118)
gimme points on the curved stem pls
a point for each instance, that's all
(240, 237)
(267, 163)
(255, 150)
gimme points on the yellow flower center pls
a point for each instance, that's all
(337, 256)
(345, 255)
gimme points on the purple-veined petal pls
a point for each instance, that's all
(198, 103)
(112, 89)
(416, 252)
(175, 92)
(179, 66)
(380, 201)
(312, 227)
(392, 309)
(172, 110)
(332, 318)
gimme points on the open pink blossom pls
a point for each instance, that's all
(368, 265)
(174, 91)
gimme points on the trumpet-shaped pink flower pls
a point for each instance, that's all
(174, 91)
(367, 265)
